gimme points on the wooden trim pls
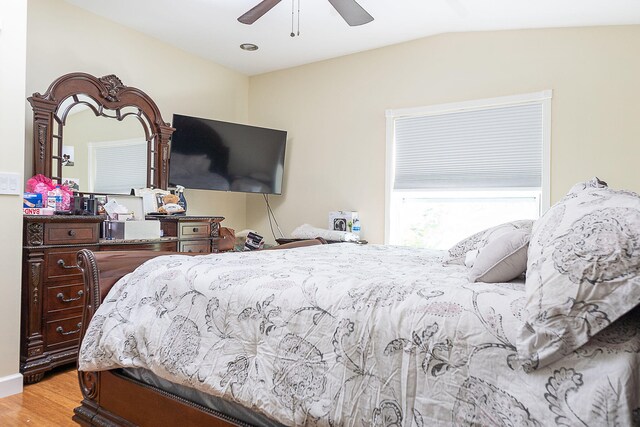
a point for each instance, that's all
(110, 93)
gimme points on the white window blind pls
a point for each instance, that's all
(491, 147)
(120, 167)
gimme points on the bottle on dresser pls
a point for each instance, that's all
(54, 198)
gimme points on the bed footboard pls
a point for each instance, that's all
(124, 402)
(100, 271)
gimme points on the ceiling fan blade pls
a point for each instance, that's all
(351, 12)
(257, 11)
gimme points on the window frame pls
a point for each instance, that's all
(543, 97)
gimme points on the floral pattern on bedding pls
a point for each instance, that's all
(358, 336)
(583, 270)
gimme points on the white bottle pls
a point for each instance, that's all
(355, 226)
(51, 199)
(57, 198)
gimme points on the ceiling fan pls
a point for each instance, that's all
(351, 12)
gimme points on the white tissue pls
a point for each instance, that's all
(112, 207)
(306, 231)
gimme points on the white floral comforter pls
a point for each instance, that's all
(356, 336)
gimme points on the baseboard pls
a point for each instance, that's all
(11, 384)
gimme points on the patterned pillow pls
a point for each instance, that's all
(582, 271)
(457, 252)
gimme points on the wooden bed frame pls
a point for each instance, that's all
(112, 399)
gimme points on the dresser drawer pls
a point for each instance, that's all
(64, 330)
(157, 246)
(68, 234)
(194, 229)
(62, 263)
(197, 246)
(61, 298)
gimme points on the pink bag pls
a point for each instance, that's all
(42, 185)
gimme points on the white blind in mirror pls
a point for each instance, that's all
(119, 167)
(493, 147)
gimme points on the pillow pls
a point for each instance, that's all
(457, 253)
(503, 259)
(470, 258)
(582, 271)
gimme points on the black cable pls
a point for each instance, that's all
(274, 218)
(271, 214)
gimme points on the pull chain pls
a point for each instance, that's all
(298, 17)
(293, 8)
(292, 17)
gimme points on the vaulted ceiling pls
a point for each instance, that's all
(210, 29)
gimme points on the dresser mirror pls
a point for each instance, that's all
(99, 136)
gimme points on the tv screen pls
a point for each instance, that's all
(213, 155)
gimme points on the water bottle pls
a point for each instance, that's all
(355, 226)
(57, 193)
(181, 200)
(51, 199)
(54, 199)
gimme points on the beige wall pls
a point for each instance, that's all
(63, 38)
(13, 16)
(335, 111)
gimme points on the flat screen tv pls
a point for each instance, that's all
(213, 155)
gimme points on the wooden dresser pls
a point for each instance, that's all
(52, 289)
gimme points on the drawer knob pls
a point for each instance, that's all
(67, 267)
(72, 233)
(61, 297)
(61, 330)
(195, 229)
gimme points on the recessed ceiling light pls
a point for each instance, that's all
(248, 46)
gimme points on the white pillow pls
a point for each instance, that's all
(503, 259)
(470, 258)
(457, 253)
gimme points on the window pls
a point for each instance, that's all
(115, 167)
(455, 169)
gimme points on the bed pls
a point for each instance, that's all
(373, 335)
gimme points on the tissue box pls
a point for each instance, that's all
(131, 230)
(124, 216)
(37, 211)
(342, 220)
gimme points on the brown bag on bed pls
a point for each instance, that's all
(227, 240)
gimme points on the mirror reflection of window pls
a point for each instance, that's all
(115, 166)
(116, 170)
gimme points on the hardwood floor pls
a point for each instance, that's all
(49, 402)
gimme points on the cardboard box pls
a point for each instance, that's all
(37, 211)
(343, 220)
(32, 200)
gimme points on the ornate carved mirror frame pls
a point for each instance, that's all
(110, 98)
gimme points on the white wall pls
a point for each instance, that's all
(13, 31)
(335, 111)
(63, 38)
